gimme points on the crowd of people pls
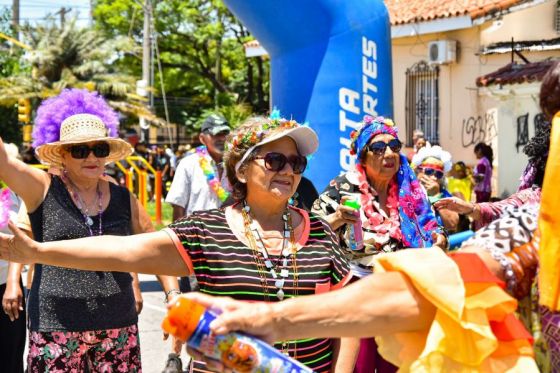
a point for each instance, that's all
(249, 226)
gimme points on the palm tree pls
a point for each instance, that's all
(74, 57)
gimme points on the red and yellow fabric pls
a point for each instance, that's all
(474, 328)
(549, 225)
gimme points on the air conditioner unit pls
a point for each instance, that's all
(442, 51)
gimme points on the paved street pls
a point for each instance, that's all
(154, 349)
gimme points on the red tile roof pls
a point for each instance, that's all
(515, 73)
(411, 11)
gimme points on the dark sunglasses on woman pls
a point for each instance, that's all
(277, 161)
(432, 172)
(379, 147)
(81, 151)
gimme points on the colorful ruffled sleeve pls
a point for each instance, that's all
(474, 328)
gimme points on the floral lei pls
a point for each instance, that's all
(5, 205)
(211, 177)
(376, 221)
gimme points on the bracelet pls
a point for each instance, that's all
(171, 292)
(510, 241)
(472, 209)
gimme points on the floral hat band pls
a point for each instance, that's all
(251, 138)
(305, 138)
(371, 127)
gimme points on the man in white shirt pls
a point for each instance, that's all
(190, 190)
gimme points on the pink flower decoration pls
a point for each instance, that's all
(408, 204)
(90, 337)
(368, 119)
(430, 225)
(113, 333)
(34, 351)
(131, 342)
(105, 367)
(107, 344)
(59, 338)
(5, 206)
(36, 338)
(55, 349)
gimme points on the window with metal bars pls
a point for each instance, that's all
(422, 101)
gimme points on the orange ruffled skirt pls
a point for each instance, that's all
(474, 328)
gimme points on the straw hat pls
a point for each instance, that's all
(82, 128)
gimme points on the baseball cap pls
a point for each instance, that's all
(215, 124)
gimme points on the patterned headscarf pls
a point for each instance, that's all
(417, 220)
(371, 127)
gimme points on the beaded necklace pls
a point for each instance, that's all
(278, 272)
(209, 172)
(263, 261)
(82, 206)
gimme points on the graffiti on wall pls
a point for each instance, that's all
(479, 129)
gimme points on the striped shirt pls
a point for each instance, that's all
(225, 266)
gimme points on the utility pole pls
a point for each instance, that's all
(91, 6)
(146, 65)
(62, 13)
(15, 18)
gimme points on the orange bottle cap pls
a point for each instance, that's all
(182, 318)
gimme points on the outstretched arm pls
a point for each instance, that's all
(393, 305)
(145, 253)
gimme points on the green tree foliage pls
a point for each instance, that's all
(200, 46)
(9, 64)
(70, 56)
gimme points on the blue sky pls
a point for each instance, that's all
(35, 10)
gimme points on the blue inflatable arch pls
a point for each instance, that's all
(330, 65)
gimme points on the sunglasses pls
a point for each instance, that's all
(379, 147)
(277, 161)
(432, 172)
(100, 150)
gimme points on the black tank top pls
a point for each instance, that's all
(63, 299)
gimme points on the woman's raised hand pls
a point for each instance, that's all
(342, 215)
(431, 185)
(455, 204)
(17, 247)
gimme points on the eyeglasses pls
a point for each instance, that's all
(277, 161)
(428, 171)
(100, 150)
(379, 147)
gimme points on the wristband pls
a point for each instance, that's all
(171, 292)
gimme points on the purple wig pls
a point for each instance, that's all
(54, 110)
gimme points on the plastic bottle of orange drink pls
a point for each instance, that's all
(190, 322)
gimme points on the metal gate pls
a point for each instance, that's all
(422, 101)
